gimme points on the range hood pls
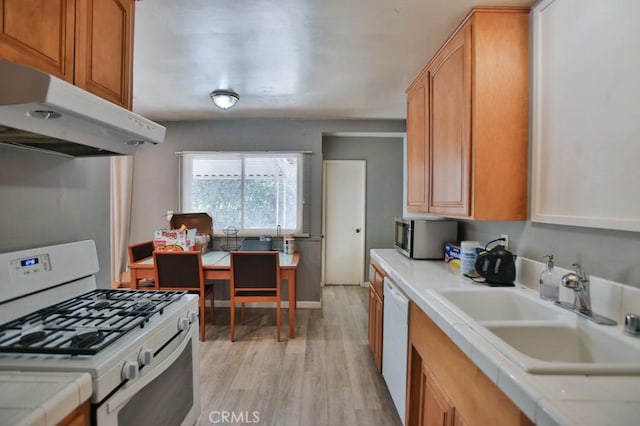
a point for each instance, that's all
(42, 112)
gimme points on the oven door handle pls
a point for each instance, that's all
(126, 394)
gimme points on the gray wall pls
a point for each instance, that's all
(384, 183)
(614, 255)
(48, 199)
(155, 188)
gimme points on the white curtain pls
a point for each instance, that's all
(121, 192)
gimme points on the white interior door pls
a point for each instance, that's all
(344, 216)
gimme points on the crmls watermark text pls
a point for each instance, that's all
(227, 417)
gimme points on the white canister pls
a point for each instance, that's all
(289, 245)
(468, 254)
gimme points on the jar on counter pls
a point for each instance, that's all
(468, 255)
(289, 245)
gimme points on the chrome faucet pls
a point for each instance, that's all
(578, 281)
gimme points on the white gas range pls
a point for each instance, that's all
(140, 347)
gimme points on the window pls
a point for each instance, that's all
(254, 192)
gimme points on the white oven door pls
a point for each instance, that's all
(166, 392)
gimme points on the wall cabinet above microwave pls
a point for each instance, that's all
(467, 121)
(86, 42)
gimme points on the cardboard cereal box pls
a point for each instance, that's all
(174, 239)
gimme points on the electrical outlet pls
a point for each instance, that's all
(506, 240)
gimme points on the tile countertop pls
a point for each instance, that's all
(545, 399)
(28, 398)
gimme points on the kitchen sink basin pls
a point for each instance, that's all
(542, 338)
(482, 304)
(567, 349)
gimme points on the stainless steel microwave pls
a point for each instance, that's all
(424, 238)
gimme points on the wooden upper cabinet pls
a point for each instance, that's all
(417, 149)
(476, 120)
(39, 33)
(104, 47)
(448, 136)
(86, 42)
(500, 122)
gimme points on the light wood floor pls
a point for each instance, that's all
(324, 376)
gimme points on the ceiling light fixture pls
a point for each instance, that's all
(224, 99)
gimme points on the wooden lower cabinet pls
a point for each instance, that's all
(78, 417)
(375, 326)
(437, 409)
(445, 387)
(376, 308)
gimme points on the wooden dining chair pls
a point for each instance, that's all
(182, 271)
(255, 277)
(141, 251)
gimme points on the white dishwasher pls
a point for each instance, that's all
(395, 339)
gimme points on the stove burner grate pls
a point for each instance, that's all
(102, 304)
(32, 338)
(86, 324)
(87, 339)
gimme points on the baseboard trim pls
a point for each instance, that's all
(303, 304)
(307, 305)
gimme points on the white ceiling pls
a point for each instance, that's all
(303, 59)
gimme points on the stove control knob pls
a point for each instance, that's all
(130, 370)
(193, 317)
(183, 323)
(145, 356)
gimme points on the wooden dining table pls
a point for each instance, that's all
(216, 265)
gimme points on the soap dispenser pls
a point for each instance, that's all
(549, 282)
